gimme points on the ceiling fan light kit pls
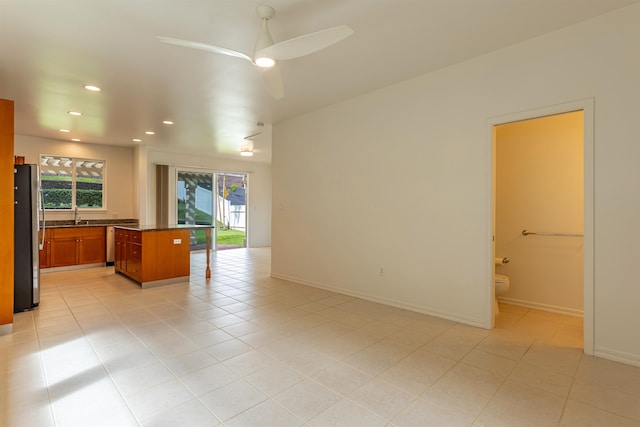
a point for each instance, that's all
(264, 61)
(267, 53)
(264, 38)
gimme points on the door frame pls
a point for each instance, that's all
(587, 106)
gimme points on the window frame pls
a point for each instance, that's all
(74, 175)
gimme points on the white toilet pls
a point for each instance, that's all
(502, 286)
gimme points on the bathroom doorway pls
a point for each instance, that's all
(542, 183)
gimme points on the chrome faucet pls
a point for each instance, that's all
(76, 217)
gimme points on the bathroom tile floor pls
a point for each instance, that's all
(244, 349)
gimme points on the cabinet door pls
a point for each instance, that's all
(64, 251)
(134, 261)
(92, 245)
(45, 252)
(120, 254)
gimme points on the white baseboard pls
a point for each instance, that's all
(6, 329)
(386, 301)
(71, 267)
(617, 356)
(543, 307)
(260, 244)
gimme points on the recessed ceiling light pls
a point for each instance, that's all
(246, 152)
(136, 140)
(74, 113)
(92, 88)
(64, 130)
(150, 132)
(167, 122)
(75, 139)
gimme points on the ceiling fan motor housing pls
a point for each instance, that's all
(264, 38)
(265, 12)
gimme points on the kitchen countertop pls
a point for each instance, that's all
(130, 222)
(137, 227)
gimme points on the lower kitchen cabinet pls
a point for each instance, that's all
(45, 252)
(92, 247)
(70, 246)
(134, 261)
(120, 251)
(154, 257)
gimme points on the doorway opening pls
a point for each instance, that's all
(209, 198)
(231, 208)
(543, 183)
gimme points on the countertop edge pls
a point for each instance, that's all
(90, 223)
(163, 227)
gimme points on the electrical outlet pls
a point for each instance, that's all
(177, 241)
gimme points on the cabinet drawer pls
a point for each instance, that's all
(62, 233)
(135, 236)
(66, 232)
(91, 231)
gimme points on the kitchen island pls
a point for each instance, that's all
(156, 255)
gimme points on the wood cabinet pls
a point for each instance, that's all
(64, 243)
(45, 252)
(92, 247)
(153, 257)
(73, 246)
(6, 213)
(134, 255)
(119, 251)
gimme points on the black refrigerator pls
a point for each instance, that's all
(27, 208)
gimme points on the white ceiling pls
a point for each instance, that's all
(49, 49)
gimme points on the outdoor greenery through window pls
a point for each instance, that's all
(69, 182)
(205, 197)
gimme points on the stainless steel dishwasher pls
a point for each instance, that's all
(111, 236)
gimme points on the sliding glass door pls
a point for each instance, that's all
(195, 203)
(206, 196)
(231, 207)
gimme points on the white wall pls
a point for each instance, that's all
(258, 187)
(426, 141)
(119, 183)
(539, 187)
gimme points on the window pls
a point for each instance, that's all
(68, 182)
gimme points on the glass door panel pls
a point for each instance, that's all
(195, 203)
(231, 208)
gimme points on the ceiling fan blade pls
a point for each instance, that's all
(307, 44)
(204, 46)
(273, 81)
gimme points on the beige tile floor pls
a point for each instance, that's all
(243, 349)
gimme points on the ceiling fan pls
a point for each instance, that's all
(267, 53)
